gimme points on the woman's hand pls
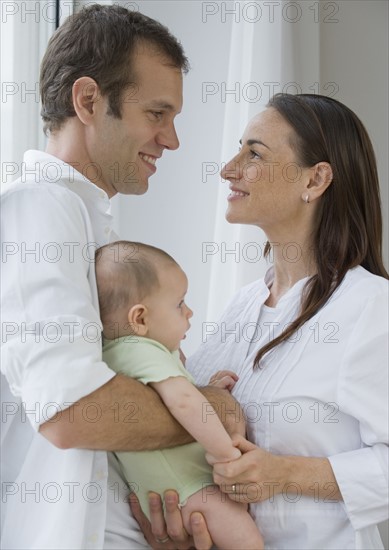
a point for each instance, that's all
(259, 475)
(256, 476)
(167, 532)
(224, 379)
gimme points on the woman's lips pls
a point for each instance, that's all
(237, 194)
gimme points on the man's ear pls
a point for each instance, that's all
(320, 180)
(85, 95)
(138, 319)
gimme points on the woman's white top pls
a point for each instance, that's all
(322, 394)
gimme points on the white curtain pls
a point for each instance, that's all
(26, 28)
(275, 47)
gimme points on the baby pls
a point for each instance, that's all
(142, 306)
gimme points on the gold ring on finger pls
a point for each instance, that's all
(162, 541)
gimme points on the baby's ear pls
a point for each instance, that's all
(137, 318)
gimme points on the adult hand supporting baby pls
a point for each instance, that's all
(256, 476)
(170, 525)
(259, 475)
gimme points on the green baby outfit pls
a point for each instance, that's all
(182, 468)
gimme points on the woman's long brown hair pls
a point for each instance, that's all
(348, 226)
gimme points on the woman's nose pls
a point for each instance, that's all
(231, 170)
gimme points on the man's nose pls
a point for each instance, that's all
(168, 138)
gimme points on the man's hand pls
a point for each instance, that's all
(168, 533)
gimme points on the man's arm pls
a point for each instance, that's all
(227, 408)
(126, 415)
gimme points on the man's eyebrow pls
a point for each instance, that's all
(155, 104)
(255, 141)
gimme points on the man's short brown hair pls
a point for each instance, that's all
(99, 42)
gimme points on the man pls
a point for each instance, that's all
(111, 86)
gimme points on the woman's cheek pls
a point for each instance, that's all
(252, 172)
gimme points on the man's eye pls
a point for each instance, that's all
(157, 114)
(254, 154)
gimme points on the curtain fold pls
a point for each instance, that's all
(26, 30)
(277, 53)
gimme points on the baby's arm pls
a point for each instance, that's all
(190, 408)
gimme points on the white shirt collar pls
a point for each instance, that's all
(54, 170)
(291, 293)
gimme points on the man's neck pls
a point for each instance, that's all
(68, 144)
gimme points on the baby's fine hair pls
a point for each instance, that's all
(126, 272)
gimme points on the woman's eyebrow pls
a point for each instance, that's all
(255, 141)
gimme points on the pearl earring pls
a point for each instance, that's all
(306, 199)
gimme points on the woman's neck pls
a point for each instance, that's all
(292, 262)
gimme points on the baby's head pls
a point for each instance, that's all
(141, 291)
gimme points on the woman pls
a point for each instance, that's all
(313, 380)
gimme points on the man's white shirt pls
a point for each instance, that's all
(52, 221)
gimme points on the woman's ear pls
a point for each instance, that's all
(138, 320)
(320, 180)
(85, 95)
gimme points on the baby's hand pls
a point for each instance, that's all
(212, 460)
(224, 379)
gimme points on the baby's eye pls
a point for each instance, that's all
(181, 304)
